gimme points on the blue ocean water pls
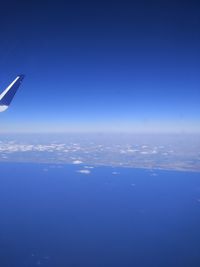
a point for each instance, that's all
(55, 216)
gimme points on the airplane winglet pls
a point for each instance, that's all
(7, 95)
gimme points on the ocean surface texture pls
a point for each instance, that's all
(81, 216)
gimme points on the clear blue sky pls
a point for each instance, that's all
(102, 65)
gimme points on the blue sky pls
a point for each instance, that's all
(102, 65)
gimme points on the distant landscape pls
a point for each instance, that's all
(152, 151)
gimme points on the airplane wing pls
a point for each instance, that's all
(7, 95)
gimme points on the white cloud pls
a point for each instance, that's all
(77, 162)
(154, 174)
(144, 146)
(84, 171)
(88, 167)
(115, 173)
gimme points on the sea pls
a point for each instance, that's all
(73, 216)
